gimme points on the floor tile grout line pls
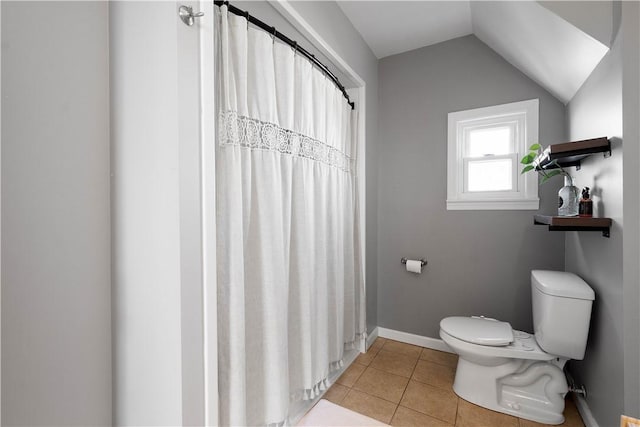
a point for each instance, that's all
(404, 391)
(415, 363)
(409, 380)
(380, 370)
(394, 413)
(455, 419)
(379, 397)
(359, 375)
(405, 388)
(436, 363)
(399, 342)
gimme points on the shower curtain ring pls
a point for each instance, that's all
(294, 46)
(246, 15)
(273, 34)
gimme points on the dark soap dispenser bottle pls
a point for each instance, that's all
(585, 208)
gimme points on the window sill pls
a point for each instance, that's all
(493, 205)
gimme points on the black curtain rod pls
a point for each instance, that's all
(294, 44)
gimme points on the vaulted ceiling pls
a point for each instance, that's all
(556, 44)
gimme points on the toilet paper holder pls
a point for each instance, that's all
(423, 261)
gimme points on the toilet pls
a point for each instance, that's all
(515, 372)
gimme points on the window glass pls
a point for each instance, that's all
(490, 175)
(489, 140)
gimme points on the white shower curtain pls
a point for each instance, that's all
(290, 288)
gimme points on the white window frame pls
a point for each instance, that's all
(521, 116)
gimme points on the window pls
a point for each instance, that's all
(485, 145)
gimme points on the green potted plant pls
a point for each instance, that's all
(568, 196)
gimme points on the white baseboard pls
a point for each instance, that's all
(372, 337)
(433, 343)
(587, 417)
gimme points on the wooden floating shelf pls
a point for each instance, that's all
(574, 223)
(572, 153)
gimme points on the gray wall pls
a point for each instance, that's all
(479, 261)
(596, 110)
(327, 19)
(56, 295)
(630, 12)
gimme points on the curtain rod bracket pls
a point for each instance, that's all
(188, 16)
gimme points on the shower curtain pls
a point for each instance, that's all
(290, 287)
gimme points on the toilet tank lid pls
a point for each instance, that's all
(561, 284)
(478, 330)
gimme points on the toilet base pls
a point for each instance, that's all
(529, 389)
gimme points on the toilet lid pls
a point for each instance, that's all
(478, 330)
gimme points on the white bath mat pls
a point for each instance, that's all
(327, 414)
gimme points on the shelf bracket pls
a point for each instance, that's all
(605, 230)
(558, 223)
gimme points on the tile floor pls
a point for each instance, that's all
(406, 385)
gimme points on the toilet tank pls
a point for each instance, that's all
(561, 312)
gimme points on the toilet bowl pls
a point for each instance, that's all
(515, 372)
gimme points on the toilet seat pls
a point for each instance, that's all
(478, 330)
(521, 346)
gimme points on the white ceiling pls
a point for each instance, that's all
(548, 44)
(391, 27)
(551, 51)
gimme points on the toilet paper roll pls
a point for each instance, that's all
(414, 266)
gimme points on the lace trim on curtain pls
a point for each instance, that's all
(250, 133)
